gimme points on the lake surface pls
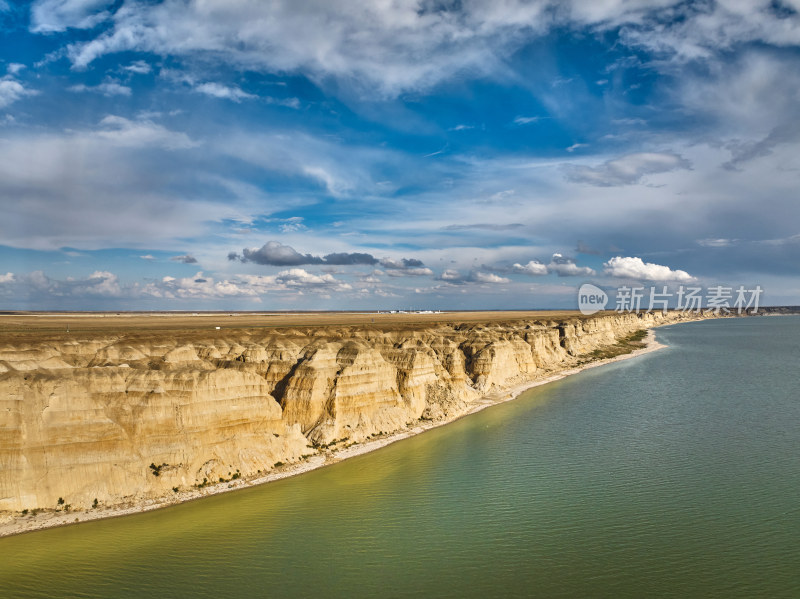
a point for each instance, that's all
(674, 474)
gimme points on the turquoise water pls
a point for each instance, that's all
(675, 474)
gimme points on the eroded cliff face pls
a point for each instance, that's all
(129, 418)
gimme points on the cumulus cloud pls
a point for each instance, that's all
(405, 267)
(566, 267)
(37, 288)
(100, 283)
(104, 284)
(198, 287)
(300, 279)
(12, 90)
(533, 267)
(274, 253)
(626, 170)
(450, 275)
(487, 277)
(636, 268)
(185, 259)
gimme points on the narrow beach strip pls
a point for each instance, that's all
(52, 519)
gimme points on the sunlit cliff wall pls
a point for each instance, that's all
(84, 418)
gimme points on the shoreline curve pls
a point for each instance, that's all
(51, 520)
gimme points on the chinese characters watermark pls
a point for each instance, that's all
(716, 300)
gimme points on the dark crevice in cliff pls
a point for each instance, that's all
(279, 392)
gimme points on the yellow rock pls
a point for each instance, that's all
(85, 418)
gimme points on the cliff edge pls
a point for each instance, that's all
(101, 419)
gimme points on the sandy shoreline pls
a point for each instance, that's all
(18, 525)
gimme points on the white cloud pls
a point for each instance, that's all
(379, 45)
(103, 187)
(141, 133)
(705, 29)
(217, 90)
(410, 272)
(451, 275)
(752, 94)
(11, 91)
(140, 67)
(147, 257)
(527, 120)
(405, 267)
(199, 287)
(566, 267)
(626, 170)
(185, 259)
(636, 268)
(502, 196)
(100, 283)
(488, 277)
(14, 67)
(374, 44)
(49, 16)
(288, 102)
(113, 89)
(576, 146)
(533, 267)
(108, 89)
(292, 225)
(298, 278)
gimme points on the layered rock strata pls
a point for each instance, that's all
(117, 419)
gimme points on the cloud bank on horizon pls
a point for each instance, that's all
(181, 154)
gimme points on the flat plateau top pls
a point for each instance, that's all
(127, 322)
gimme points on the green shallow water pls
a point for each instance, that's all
(674, 474)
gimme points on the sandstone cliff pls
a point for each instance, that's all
(125, 418)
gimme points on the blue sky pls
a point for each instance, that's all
(237, 154)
